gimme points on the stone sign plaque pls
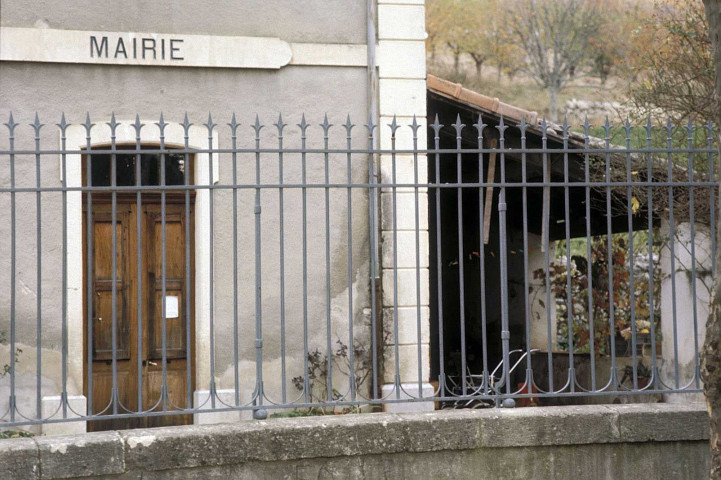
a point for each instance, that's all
(132, 48)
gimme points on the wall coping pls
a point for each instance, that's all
(115, 452)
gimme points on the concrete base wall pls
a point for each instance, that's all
(656, 441)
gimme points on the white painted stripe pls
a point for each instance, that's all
(342, 55)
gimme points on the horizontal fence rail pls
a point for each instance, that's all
(154, 270)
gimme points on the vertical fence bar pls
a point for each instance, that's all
(609, 252)
(281, 242)
(326, 190)
(526, 287)
(651, 306)
(210, 125)
(11, 401)
(163, 266)
(397, 378)
(188, 313)
(672, 232)
(546, 237)
(234, 145)
(589, 254)
(39, 264)
(370, 126)
(569, 286)
(349, 202)
(303, 125)
(90, 314)
(114, 261)
(414, 126)
(480, 126)
(139, 263)
(63, 172)
(258, 413)
(439, 260)
(692, 222)
(632, 277)
(505, 333)
(461, 280)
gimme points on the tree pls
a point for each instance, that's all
(464, 27)
(711, 354)
(465, 30)
(677, 74)
(612, 51)
(436, 13)
(556, 37)
(500, 45)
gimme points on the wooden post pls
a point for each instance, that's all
(546, 203)
(489, 192)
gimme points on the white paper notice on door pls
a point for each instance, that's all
(171, 306)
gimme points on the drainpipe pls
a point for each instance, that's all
(373, 160)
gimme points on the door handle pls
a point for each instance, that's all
(146, 362)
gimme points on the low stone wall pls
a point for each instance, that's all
(654, 441)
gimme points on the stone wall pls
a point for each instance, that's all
(593, 442)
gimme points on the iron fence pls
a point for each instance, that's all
(314, 267)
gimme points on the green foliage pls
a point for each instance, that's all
(15, 434)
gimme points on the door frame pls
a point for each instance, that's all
(76, 140)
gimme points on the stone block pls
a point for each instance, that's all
(405, 209)
(19, 458)
(270, 440)
(650, 422)
(402, 97)
(401, 22)
(406, 255)
(402, 59)
(408, 324)
(409, 391)
(77, 407)
(202, 401)
(566, 425)
(88, 454)
(405, 173)
(404, 134)
(407, 362)
(406, 287)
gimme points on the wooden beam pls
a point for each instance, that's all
(489, 192)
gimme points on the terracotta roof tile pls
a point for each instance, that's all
(475, 99)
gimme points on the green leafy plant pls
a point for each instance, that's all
(15, 434)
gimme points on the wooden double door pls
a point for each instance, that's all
(138, 339)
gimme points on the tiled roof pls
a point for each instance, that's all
(457, 92)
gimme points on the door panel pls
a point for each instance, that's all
(176, 321)
(102, 316)
(126, 284)
(177, 392)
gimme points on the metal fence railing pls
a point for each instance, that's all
(156, 270)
